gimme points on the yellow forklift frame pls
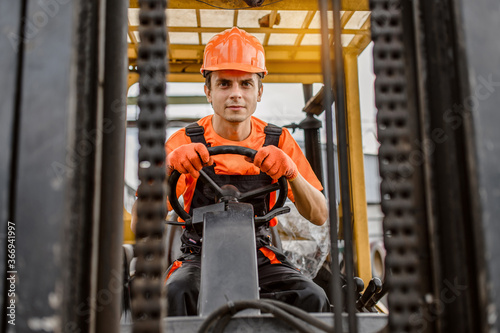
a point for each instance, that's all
(295, 23)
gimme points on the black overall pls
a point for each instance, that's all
(281, 281)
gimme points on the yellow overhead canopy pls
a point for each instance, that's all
(351, 5)
(288, 29)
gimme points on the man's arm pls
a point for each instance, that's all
(310, 202)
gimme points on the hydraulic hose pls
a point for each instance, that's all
(292, 316)
(301, 314)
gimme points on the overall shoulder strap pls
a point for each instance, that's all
(196, 133)
(273, 134)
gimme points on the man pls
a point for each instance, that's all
(233, 67)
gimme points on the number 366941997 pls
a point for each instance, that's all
(11, 243)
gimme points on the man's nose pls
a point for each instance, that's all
(235, 91)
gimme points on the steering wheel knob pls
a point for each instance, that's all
(229, 193)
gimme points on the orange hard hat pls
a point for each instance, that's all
(234, 49)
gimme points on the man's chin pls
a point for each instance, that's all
(236, 118)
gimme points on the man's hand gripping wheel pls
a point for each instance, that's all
(228, 193)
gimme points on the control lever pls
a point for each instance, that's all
(359, 285)
(259, 220)
(374, 287)
(374, 300)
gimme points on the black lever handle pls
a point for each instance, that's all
(374, 300)
(260, 220)
(373, 288)
(359, 285)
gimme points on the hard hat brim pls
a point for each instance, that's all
(235, 67)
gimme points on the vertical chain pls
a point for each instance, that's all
(148, 300)
(397, 189)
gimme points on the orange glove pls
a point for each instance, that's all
(189, 158)
(275, 163)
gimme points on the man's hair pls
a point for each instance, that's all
(208, 80)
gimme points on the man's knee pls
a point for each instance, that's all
(182, 289)
(300, 292)
(182, 282)
(317, 300)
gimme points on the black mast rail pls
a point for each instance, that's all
(330, 153)
(345, 193)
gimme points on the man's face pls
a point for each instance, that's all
(234, 94)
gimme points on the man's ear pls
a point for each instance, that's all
(259, 94)
(208, 94)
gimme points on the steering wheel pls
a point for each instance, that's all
(228, 192)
